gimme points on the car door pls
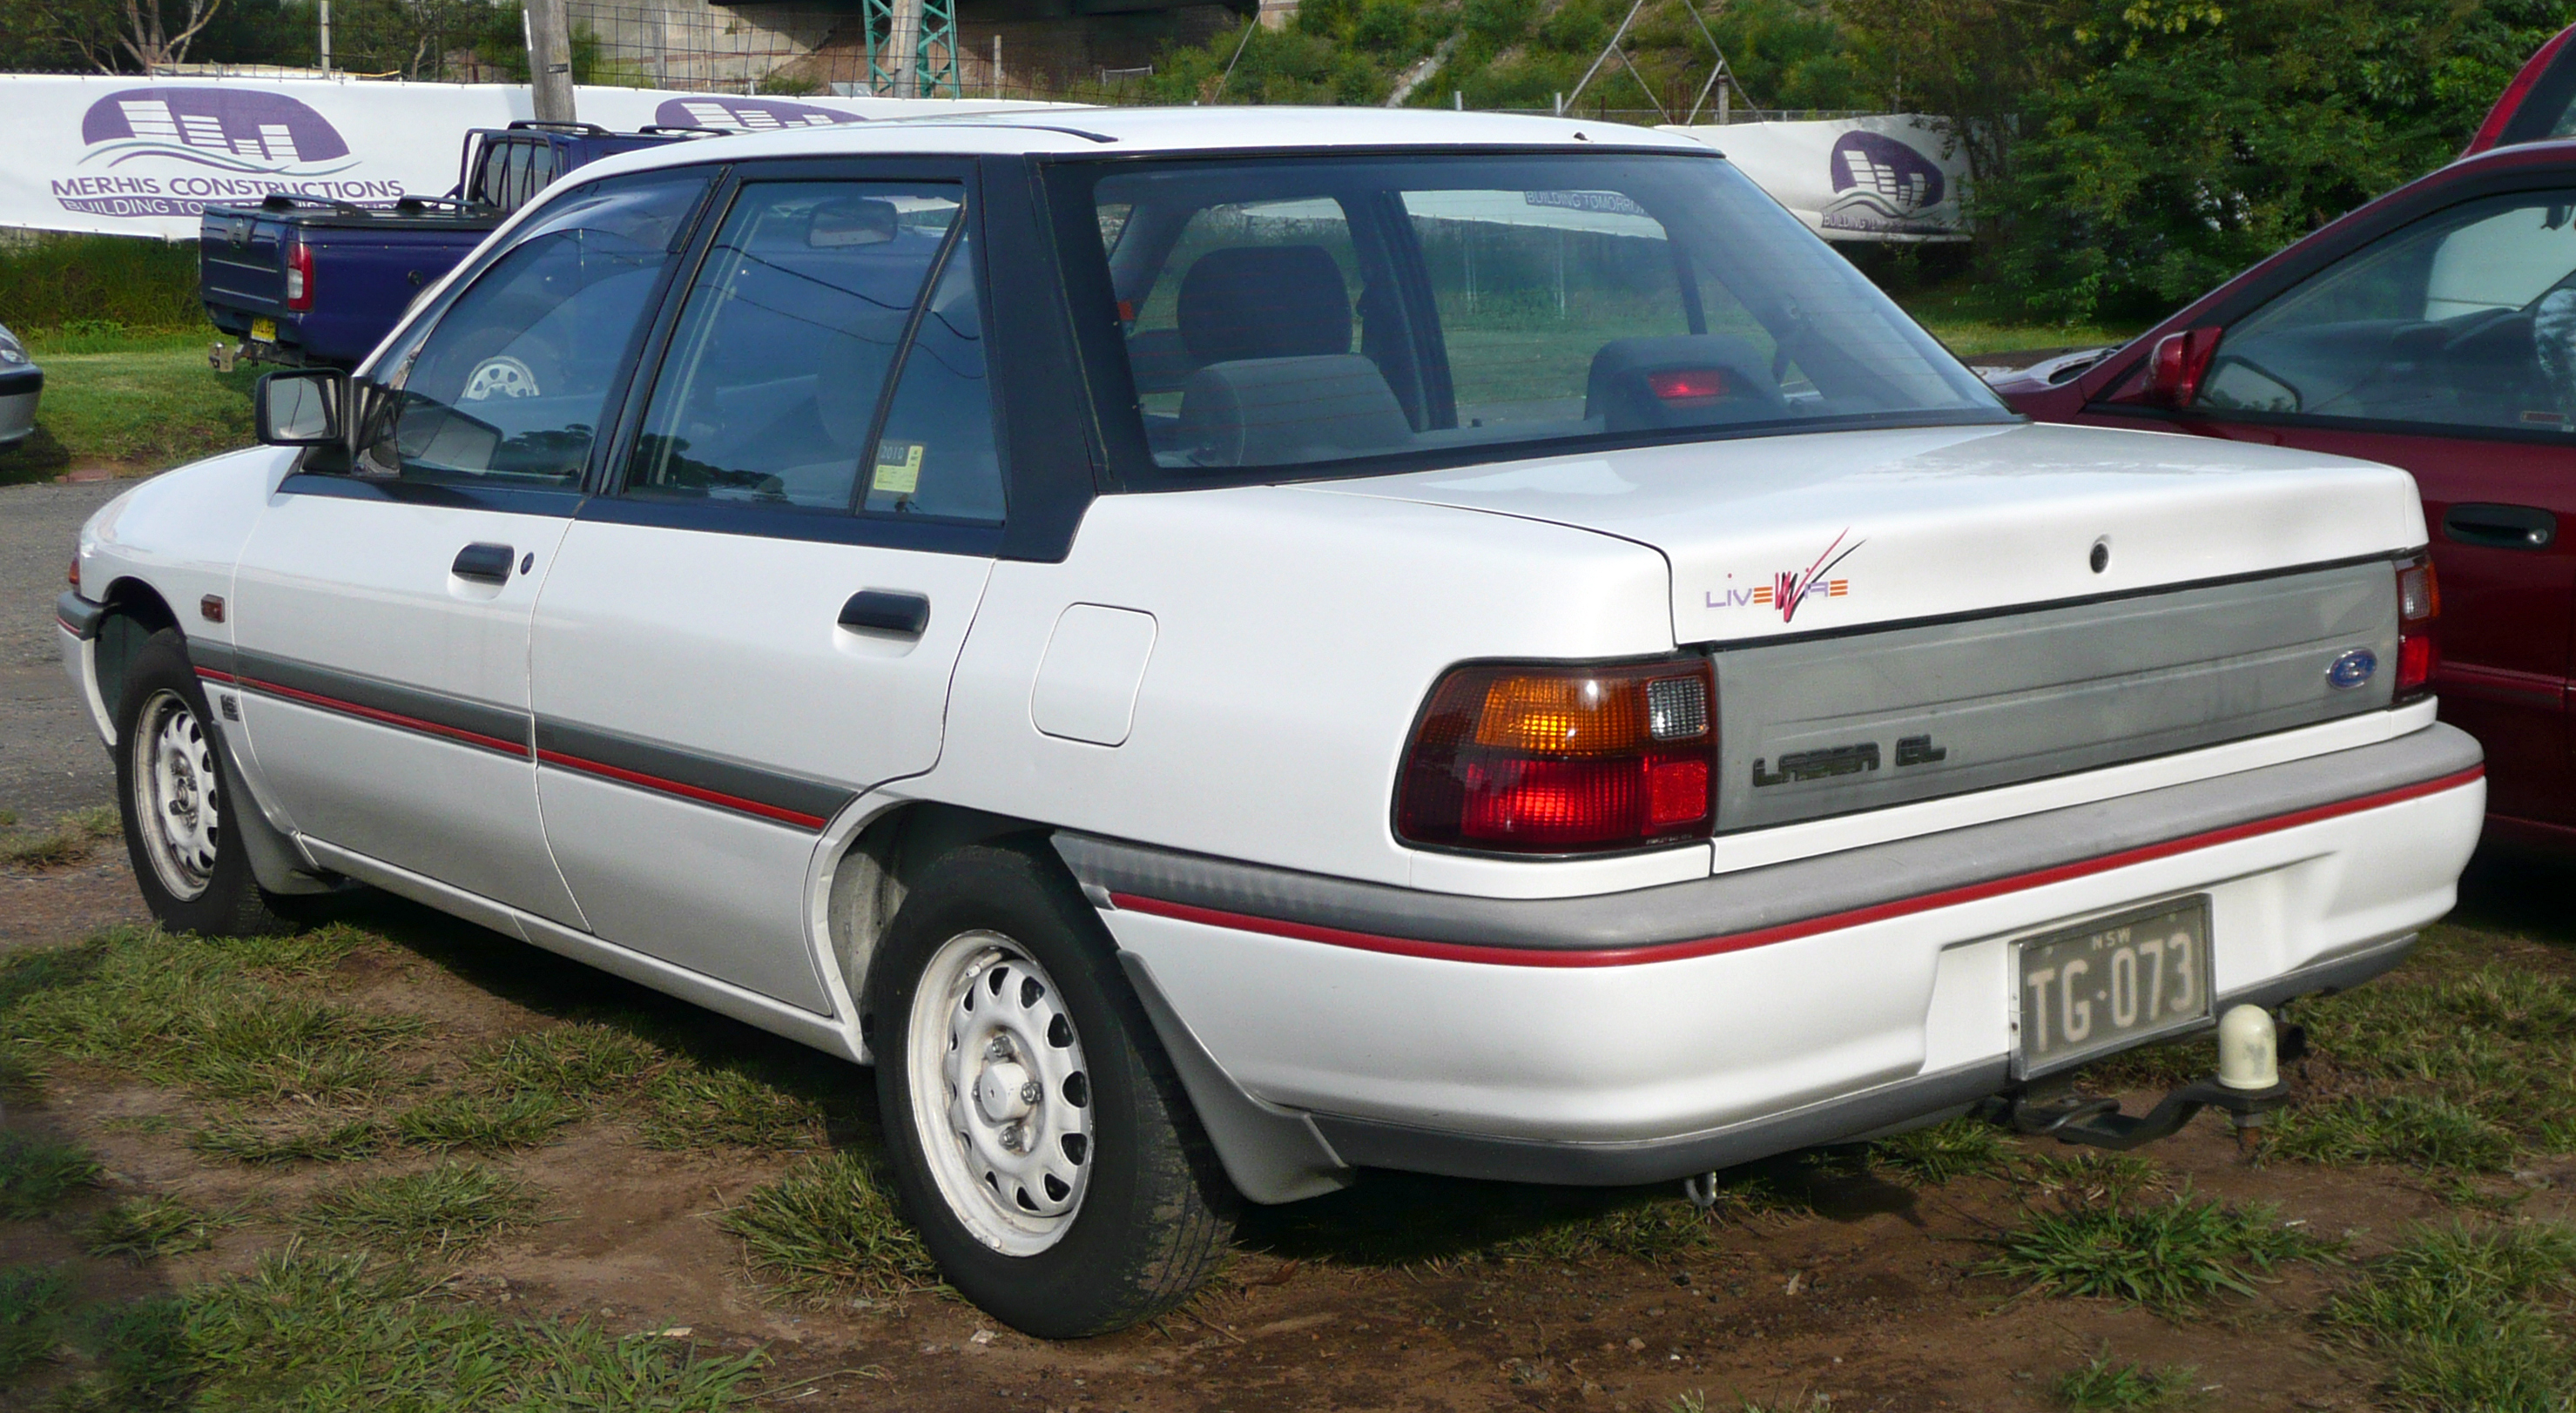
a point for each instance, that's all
(757, 623)
(381, 612)
(2448, 347)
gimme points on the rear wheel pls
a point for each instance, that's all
(189, 864)
(1039, 1139)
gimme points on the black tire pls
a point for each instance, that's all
(222, 899)
(1155, 1217)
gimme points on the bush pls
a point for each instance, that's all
(88, 283)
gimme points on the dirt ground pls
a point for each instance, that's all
(1869, 1300)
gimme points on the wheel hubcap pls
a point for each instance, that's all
(177, 800)
(1001, 1094)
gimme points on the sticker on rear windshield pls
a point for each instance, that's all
(898, 468)
(1790, 587)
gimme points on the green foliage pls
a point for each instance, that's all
(2461, 1318)
(2168, 1257)
(689, 1107)
(1651, 1232)
(486, 1123)
(585, 1060)
(2420, 1130)
(434, 1212)
(324, 1138)
(38, 1173)
(1929, 1157)
(2108, 1385)
(828, 1227)
(145, 401)
(33, 1300)
(53, 281)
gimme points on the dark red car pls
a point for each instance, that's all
(2539, 104)
(2433, 329)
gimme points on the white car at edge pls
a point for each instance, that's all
(1222, 648)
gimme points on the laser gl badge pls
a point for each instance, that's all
(2352, 669)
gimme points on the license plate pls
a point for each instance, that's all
(2111, 983)
(263, 331)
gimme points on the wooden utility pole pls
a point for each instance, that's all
(550, 60)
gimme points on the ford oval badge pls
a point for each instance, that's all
(2353, 668)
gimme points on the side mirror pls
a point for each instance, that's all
(2175, 368)
(301, 407)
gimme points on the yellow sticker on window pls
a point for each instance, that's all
(898, 468)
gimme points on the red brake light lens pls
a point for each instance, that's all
(299, 277)
(1694, 387)
(1562, 760)
(2419, 608)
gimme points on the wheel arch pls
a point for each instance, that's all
(135, 611)
(870, 874)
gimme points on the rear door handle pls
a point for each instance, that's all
(887, 611)
(2521, 527)
(484, 564)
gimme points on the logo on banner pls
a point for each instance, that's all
(230, 129)
(1881, 184)
(172, 150)
(746, 114)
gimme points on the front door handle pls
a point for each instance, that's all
(2520, 527)
(484, 564)
(887, 611)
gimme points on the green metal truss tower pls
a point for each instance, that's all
(912, 48)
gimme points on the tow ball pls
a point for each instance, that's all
(2247, 1086)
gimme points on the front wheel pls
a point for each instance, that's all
(1039, 1139)
(189, 863)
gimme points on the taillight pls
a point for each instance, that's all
(1562, 760)
(1694, 387)
(299, 276)
(2419, 606)
(74, 576)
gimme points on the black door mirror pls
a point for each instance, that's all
(301, 407)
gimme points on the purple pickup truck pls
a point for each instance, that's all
(301, 280)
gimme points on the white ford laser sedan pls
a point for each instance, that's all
(1218, 649)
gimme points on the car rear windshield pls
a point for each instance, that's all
(1339, 315)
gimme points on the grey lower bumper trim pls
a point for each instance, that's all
(1753, 899)
(78, 614)
(1369, 1143)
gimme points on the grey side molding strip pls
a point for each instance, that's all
(1274, 1155)
(1752, 899)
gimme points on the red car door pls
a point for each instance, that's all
(2445, 345)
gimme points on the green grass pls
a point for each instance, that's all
(38, 1174)
(1651, 1232)
(326, 1334)
(145, 1227)
(2468, 1319)
(486, 1123)
(583, 1061)
(296, 1138)
(2425, 1131)
(2093, 1177)
(827, 1226)
(1929, 1157)
(689, 1107)
(33, 1301)
(2108, 1385)
(436, 1211)
(199, 1016)
(70, 840)
(2169, 1257)
(1972, 319)
(138, 402)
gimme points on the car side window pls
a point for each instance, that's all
(2466, 319)
(507, 386)
(808, 306)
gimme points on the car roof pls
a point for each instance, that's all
(1069, 130)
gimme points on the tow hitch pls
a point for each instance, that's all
(2247, 1085)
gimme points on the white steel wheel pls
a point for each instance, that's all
(501, 376)
(177, 802)
(1001, 1094)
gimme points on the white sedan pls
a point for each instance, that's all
(1219, 649)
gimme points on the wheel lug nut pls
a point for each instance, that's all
(1031, 1092)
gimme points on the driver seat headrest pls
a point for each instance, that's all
(1264, 301)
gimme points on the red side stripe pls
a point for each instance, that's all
(691, 792)
(381, 717)
(1785, 932)
(215, 675)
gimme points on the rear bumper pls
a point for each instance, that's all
(1637, 1036)
(19, 393)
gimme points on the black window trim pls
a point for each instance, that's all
(1127, 464)
(608, 504)
(2308, 264)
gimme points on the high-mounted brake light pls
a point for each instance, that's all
(2419, 608)
(1688, 387)
(299, 276)
(1562, 759)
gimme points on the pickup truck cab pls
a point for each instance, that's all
(307, 280)
(1221, 648)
